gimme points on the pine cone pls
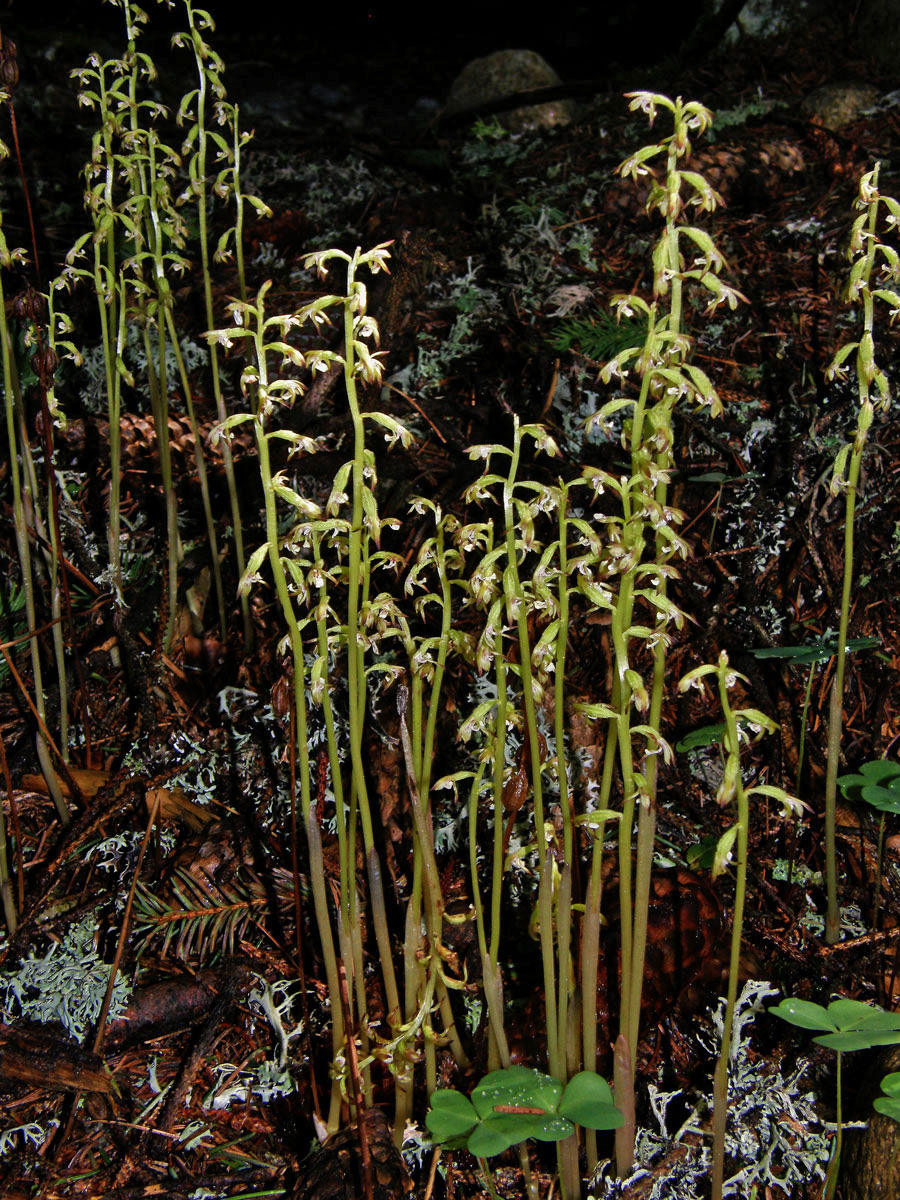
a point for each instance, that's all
(684, 928)
(335, 1171)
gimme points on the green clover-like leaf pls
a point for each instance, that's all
(588, 1101)
(889, 1104)
(518, 1085)
(877, 783)
(451, 1115)
(845, 1024)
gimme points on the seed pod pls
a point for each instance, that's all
(30, 305)
(9, 64)
(44, 361)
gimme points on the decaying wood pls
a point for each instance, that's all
(41, 1058)
(870, 1160)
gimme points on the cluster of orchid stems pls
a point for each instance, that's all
(547, 550)
(335, 549)
(128, 259)
(645, 541)
(536, 554)
(135, 251)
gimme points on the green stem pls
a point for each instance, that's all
(173, 539)
(200, 462)
(498, 759)
(516, 602)
(238, 205)
(317, 871)
(865, 373)
(633, 910)
(720, 1083)
(355, 662)
(201, 52)
(564, 900)
(590, 959)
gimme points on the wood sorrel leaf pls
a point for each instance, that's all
(847, 1024)
(451, 1115)
(484, 1141)
(803, 1013)
(877, 783)
(889, 1104)
(519, 1086)
(518, 1127)
(861, 1040)
(856, 1014)
(588, 1101)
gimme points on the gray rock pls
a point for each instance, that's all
(840, 104)
(484, 80)
(766, 19)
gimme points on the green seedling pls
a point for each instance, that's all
(845, 1025)
(703, 854)
(878, 784)
(516, 1103)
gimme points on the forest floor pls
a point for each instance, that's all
(506, 253)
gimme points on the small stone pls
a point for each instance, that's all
(837, 105)
(504, 73)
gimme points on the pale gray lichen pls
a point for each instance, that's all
(31, 1134)
(67, 984)
(273, 1078)
(774, 1135)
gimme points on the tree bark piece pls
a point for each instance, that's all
(43, 1059)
